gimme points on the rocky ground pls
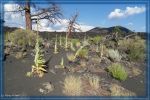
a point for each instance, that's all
(18, 62)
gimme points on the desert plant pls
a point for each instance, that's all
(66, 42)
(96, 39)
(83, 53)
(79, 51)
(85, 42)
(78, 44)
(135, 48)
(118, 71)
(74, 41)
(101, 50)
(55, 46)
(62, 63)
(39, 67)
(72, 86)
(119, 91)
(97, 48)
(111, 44)
(114, 55)
(71, 57)
(72, 47)
(60, 40)
(22, 38)
(94, 82)
(7, 36)
(125, 44)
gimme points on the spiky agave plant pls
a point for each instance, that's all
(39, 67)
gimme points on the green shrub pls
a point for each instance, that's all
(74, 41)
(83, 53)
(96, 39)
(23, 38)
(118, 71)
(135, 48)
(63, 38)
(114, 55)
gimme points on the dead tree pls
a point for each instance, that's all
(28, 16)
(72, 25)
(51, 13)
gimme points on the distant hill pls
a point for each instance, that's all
(92, 32)
(99, 30)
(109, 30)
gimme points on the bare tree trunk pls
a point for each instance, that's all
(28, 16)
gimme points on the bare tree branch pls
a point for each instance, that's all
(53, 14)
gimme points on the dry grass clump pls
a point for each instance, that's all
(114, 55)
(72, 86)
(94, 82)
(117, 90)
(92, 86)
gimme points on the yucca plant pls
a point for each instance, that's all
(55, 47)
(39, 67)
(66, 42)
(72, 47)
(62, 63)
(60, 41)
(101, 50)
(97, 48)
